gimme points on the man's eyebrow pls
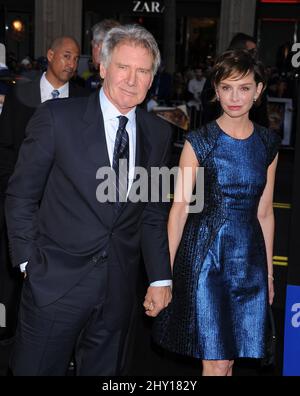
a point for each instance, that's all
(67, 51)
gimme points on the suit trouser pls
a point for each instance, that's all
(46, 336)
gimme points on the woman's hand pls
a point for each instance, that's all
(271, 289)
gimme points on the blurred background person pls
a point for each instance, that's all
(195, 88)
(161, 88)
(99, 30)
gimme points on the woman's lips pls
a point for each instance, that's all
(234, 108)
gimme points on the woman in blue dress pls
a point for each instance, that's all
(222, 257)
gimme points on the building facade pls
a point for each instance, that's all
(188, 31)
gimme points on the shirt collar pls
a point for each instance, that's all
(110, 112)
(49, 88)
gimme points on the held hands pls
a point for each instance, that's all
(157, 299)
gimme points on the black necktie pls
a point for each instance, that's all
(121, 152)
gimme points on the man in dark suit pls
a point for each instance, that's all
(21, 103)
(82, 255)
(19, 106)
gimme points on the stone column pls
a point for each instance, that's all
(54, 18)
(2, 54)
(169, 50)
(236, 16)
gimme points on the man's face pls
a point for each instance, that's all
(96, 53)
(250, 45)
(128, 76)
(252, 48)
(63, 61)
(198, 74)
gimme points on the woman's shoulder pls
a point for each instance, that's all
(204, 136)
(203, 139)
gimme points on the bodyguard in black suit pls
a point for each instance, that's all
(83, 255)
(21, 103)
(18, 108)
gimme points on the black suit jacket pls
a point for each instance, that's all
(54, 219)
(19, 106)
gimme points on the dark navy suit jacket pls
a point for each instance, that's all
(55, 221)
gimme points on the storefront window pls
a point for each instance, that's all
(202, 39)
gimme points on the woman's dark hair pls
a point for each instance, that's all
(237, 63)
(239, 41)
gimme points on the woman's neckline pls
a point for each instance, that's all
(234, 138)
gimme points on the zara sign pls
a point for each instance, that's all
(150, 7)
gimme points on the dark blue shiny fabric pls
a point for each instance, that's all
(220, 294)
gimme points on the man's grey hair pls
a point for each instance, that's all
(101, 28)
(132, 34)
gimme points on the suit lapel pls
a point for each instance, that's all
(29, 94)
(76, 91)
(95, 145)
(94, 134)
(143, 145)
(72, 90)
(37, 99)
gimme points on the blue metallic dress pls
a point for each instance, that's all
(220, 291)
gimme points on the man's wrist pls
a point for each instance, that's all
(162, 283)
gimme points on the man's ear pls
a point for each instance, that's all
(50, 55)
(151, 81)
(102, 71)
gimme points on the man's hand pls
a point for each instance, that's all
(157, 299)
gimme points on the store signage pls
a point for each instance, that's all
(296, 57)
(281, 1)
(150, 7)
(291, 366)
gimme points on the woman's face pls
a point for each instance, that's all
(237, 95)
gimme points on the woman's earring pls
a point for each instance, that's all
(254, 100)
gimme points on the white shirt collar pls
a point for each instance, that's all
(110, 112)
(47, 88)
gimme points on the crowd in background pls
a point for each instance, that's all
(183, 87)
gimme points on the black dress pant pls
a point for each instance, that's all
(48, 336)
